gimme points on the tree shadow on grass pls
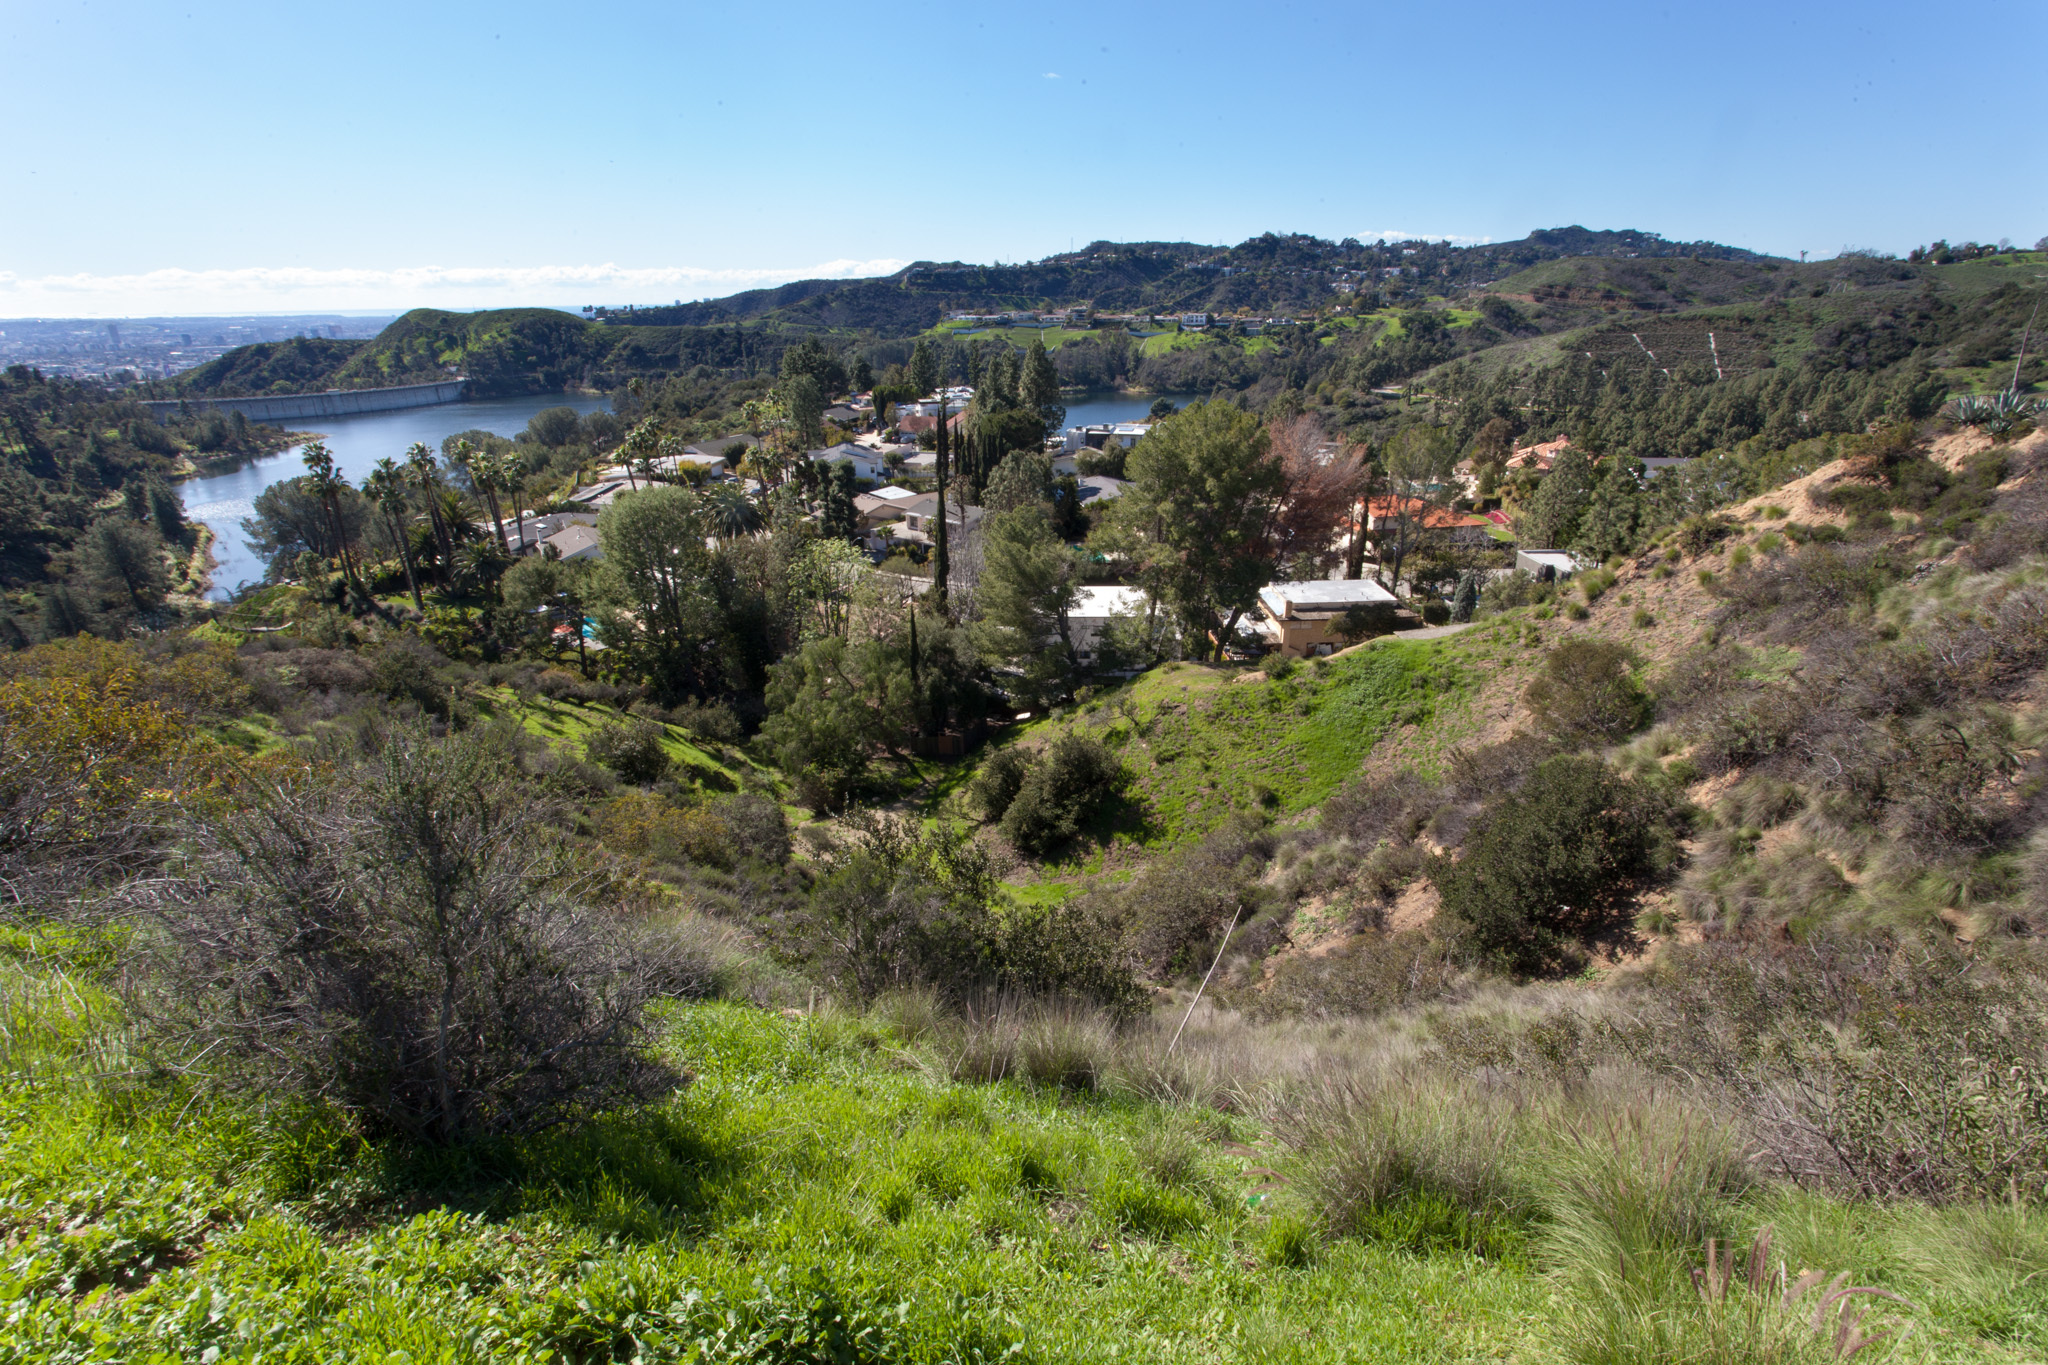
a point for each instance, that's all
(644, 1174)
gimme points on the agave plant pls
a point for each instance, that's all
(1996, 414)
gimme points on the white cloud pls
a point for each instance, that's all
(1404, 235)
(1052, 75)
(306, 289)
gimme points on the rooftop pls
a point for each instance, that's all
(1322, 596)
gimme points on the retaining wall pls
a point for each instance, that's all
(285, 407)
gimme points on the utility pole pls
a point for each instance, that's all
(939, 559)
(2021, 359)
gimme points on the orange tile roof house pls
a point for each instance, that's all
(1462, 526)
(1539, 457)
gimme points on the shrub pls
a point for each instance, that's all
(903, 907)
(996, 785)
(1587, 692)
(400, 937)
(1517, 589)
(631, 748)
(1176, 910)
(1699, 534)
(1370, 976)
(406, 670)
(709, 720)
(756, 825)
(1556, 864)
(1061, 791)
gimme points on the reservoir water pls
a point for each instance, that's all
(223, 499)
(1120, 407)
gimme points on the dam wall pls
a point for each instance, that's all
(287, 407)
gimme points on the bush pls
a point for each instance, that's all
(1066, 786)
(1357, 980)
(709, 720)
(996, 785)
(631, 748)
(905, 908)
(1587, 693)
(1556, 864)
(398, 936)
(758, 828)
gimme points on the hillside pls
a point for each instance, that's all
(1461, 995)
(1270, 273)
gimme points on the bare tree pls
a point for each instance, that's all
(402, 935)
(1324, 479)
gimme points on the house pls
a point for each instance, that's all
(1102, 434)
(714, 466)
(867, 462)
(923, 465)
(1296, 618)
(601, 494)
(1459, 528)
(1194, 322)
(921, 512)
(534, 529)
(956, 400)
(917, 426)
(1546, 565)
(883, 505)
(845, 415)
(1100, 488)
(1093, 609)
(574, 542)
(1539, 457)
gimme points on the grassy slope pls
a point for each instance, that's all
(817, 1173)
(950, 1221)
(1201, 742)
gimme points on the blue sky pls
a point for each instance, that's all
(187, 156)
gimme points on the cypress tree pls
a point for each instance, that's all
(1466, 600)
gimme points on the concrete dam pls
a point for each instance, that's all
(285, 407)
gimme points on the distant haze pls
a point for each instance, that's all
(263, 289)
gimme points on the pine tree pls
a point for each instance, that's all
(924, 368)
(1552, 521)
(1614, 512)
(1041, 386)
(166, 512)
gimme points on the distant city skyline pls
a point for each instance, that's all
(232, 158)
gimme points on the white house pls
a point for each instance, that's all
(1546, 564)
(1093, 610)
(1100, 434)
(867, 462)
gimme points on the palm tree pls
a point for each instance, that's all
(480, 564)
(327, 486)
(729, 512)
(386, 488)
(422, 473)
(485, 471)
(639, 449)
